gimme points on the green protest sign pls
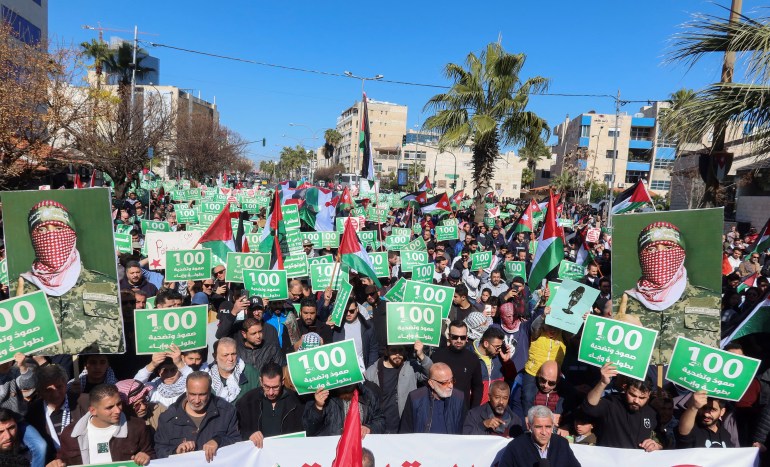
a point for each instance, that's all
(356, 221)
(314, 237)
(367, 237)
(489, 205)
(396, 242)
(4, 272)
(565, 223)
(416, 229)
(380, 263)
(553, 288)
(481, 260)
(150, 303)
(188, 265)
(295, 265)
(627, 346)
(358, 212)
(572, 301)
(205, 218)
(157, 329)
(321, 276)
(294, 242)
(401, 232)
(268, 284)
(124, 228)
(446, 232)
(377, 215)
(237, 262)
(410, 259)
(186, 216)
(418, 244)
(489, 221)
(155, 226)
(721, 374)
(290, 216)
(320, 260)
(329, 366)
(330, 239)
(212, 207)
(451, 221)
(532, 247)
(341, 303)
(423, 273)
(570, 270)
(179, 195)
(250, 207)
(418, 292)
(27, 325)
(123, 243)
(516, 268)
(396, 293)
(410, 322)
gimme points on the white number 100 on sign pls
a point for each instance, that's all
(321, 359)
(429, 294)
(417, 314)
(714, 363)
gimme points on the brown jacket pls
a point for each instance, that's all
(131, 437)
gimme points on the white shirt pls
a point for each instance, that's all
(99, 443)
(353, 331)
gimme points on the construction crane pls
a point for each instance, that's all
(101, 30)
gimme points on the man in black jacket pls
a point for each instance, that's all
(308, 322)
(699, 425)
(270, 410)
(355, 327)
(197, 421)
(325, 414)
(626, 420)
(539, 444)
(253, 349)
(464, 364)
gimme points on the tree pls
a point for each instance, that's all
(527, 177)
(118, 64)
(36, 104)
(724, 104)
(332, 138)
(200, 141)
(532, 154)
(99, 52)
(293, 159)
(329, 174)
(564, 182)
(487, 106)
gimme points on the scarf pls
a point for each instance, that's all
(173, 390)
(231, 389)
(109, 377)
(56, 282)
(663, 281)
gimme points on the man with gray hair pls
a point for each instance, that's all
(435, 408)
(541, 446)
(231, 377)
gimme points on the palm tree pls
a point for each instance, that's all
(487, 106)
(723, 104)
(99, 52)
(532, 154)
(564, 182)
(118, 63)
(332, 138)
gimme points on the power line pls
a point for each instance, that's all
(341, 75)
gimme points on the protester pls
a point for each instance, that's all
(231, 377)
(700, 426)
(540, 444)
(436, 408)
(325, 414)
(464, 364)
(494, 417)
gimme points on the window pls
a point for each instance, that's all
(640, 133)
(377, 167)
(608, 177)
(660, 185)
(515, 186)
(663, 164)
(442, 184)
(613, 132)
(497, 186)
(664, 142)
(28, 32)
(633, 176)
(610, 153)
(545, 173)
(585, 131)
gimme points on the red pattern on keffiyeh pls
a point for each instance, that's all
(659, 267)
(52, 248)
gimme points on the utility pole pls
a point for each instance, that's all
(614, 159)
(593, 168)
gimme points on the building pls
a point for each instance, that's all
(586, 145)
(387, 127)
(29, 18)
(151, 65)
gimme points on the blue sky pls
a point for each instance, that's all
(593, 47)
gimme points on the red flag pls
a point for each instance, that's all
(77, 181)
(726, 266)
(92, 183)
(245, 248)
(349, 451)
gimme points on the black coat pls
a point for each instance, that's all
(175, 426)
(521, 452)
(331, 419)
(368, 340)
(249, 411)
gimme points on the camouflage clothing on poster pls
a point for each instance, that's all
(695, 316)
(87, 316)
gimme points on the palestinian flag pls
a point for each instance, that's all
(525, 222)
(219, 236)
(436, 203)
(748, 281)
(763, 240)
(757, 321)
(345, 201)
(550, 247)
(353, 254)
(425, 185)
(318, 209)
(633, 198)
(287, 189)
(727, 268)
(494, 212)
(365, 145)
(273, 239)
(457, 198)
(489, 197)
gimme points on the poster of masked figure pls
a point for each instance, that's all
(61, 242)
(667, 275)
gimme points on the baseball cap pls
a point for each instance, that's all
(455, 275)
(307, 242)
(255, 303)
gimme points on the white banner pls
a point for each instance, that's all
(159, 242)
(426, 450)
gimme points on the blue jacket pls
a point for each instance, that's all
(521, 452)
(418, 412)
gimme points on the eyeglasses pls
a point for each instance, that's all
(446, 383)
(219, 272)
(208, 285)
(352, 310)
(373, 294)
(546, 382)
(455, 337)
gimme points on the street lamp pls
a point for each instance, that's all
(363, 80)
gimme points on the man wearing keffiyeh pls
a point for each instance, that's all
(84, 302)
(664, 299)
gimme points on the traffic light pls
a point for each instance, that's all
(264, 141)
(453, 185)
(403, 140)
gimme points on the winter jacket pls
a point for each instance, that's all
(230, 327)
(249, 411)
(493, 369)
(466, 370)
(407, 378)
(419, 409)
(132, 437)
(521, 452)
(144, 286)
(474, 422)
(330, 420)
(257, 357)
(368, 340)
(219, 424)
(37, 418)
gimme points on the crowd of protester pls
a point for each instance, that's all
(499, 371)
